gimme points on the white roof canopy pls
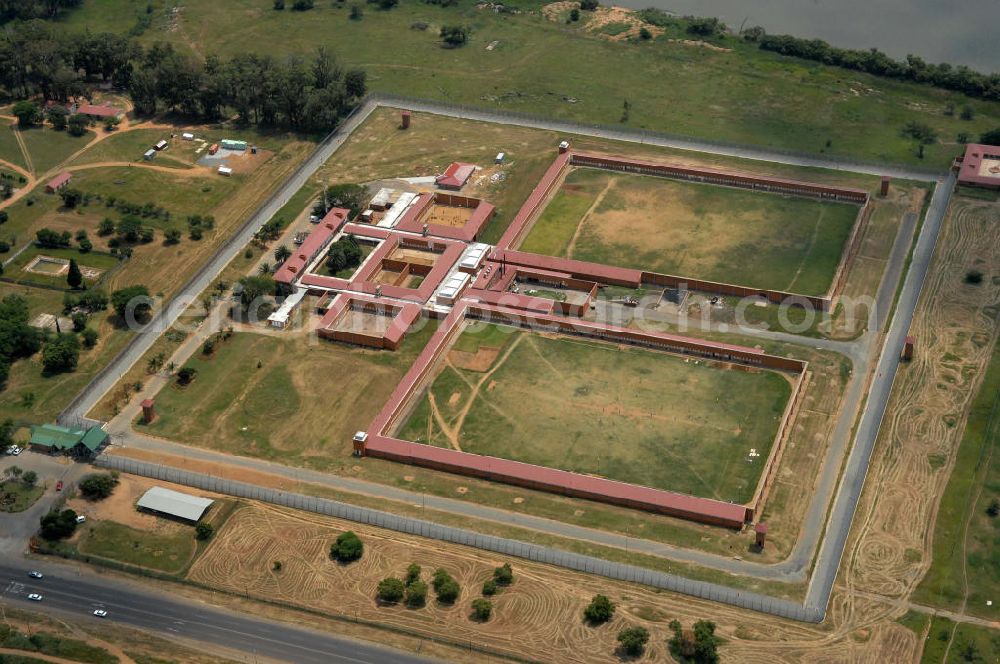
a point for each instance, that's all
(174, 503)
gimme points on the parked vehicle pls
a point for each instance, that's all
(100, 613)
(59, 485)
(35, 597)
(81, 518)
(35, 574)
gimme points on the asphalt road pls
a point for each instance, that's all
(129, 604)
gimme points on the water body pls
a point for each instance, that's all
(961, 33)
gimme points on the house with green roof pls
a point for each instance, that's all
(52, 438)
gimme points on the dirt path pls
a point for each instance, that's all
(24, 150)
(807, 252)
(182, 172)
(586, 215)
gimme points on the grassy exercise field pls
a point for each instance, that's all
(628, 414)
(699, 231)
(49, 148)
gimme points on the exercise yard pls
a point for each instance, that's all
(624, 413)
(699, 231)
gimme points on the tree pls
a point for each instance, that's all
(49, 239)
(58, 525)
(967, 112)
(633, 640)
(74, 277)
(279, 4)
(386, 5)
(482, 609)
(991, 137)
(356, 82)
(171, 236)
(129, 228)
(28, 114)
(302, 5)
(134, 299)
(503, 575)
(347, 548)
(77, 125)
(416, 594)
(186, 375)
(98, 486)
(489, 587)
(356, 13)
(79, 321)
(922, 133)
(89, 336)
(699, 646)
(454, 35)
(589, 5)
(994, 508)
(600, 610)
(61, 354)
(111, 123)
(29, 478)
(446, 588)
(574, 15)
(412, 574)
(645, 34)
(253, 288)
(390, 590)
(973, 277)
(106, 227)
(57, 117)
(705, 27)
(70, 197)
(282, 253)
(85, 245)
(204, 531)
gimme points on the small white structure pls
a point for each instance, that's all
(500, 157)
(473, 257)
(174, 503)
(397, 210)
(187, 136)
(225, 170)
(161, 145)
(279, 318)
(366, 216)
(149, 154)
(382, 198)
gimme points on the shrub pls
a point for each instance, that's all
(416, 594)
(347, 548)
(390, 590)
(489, 587)
(79, 321)
(61, 354)
(482, 609)
(645, 34)
(106, 227)
(600, 610)
(279, 4)
(994, 509)
(574, 14)
(89, 336)
(203, 531)
(446, 588)
(633, 640)
(186, 375)
(208, 347)
(77, 125)
(589, 5)
(412, 573)
(356, 13)
(973, 277)
(29, 478)
(503, 575)
(276, 566)
(454, 35)
(58, 525)
(302, 5)
(98, 486)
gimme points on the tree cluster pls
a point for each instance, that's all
(11, 10)
(699, 646)
(633, 640)
(344, 254)
(454, 35)
(309, 95)
(350, 196)
(961, 78)
(347, 548)
(17, 338)
(61, 353)
(135, 298)
(446, 587)
(58, 525)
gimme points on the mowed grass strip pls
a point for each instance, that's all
(628, 414)
(974, 484)
(700, 231)
(304, 400)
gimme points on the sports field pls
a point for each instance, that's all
(624, 413)
(694, 230)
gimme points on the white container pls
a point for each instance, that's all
(225, 170)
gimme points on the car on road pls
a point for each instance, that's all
(35, 574)
(35, 597)
(59, 485)
(100, 613)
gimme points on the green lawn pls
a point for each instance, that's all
(129, 146)
(694, 230)
(962, 642)
(628, 414)
(91, 259)
(974, 484)
(167, 551)
(304, 400)
(49, 148)
(16, 496)
(9, 149)
(549, 68)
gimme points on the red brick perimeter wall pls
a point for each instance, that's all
(548, 479)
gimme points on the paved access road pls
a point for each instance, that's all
(67, 592)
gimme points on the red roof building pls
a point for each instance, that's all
(58, 182)
(455, 176)
(295, 264)
(99, 111)
(980, 166)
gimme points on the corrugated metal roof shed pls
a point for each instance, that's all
(174, 503)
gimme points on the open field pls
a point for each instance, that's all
(611, 411)
(130, 146)
(963, 573)
(702, 231)
(948, 642)
(49, 148)
(545, 67)
(284, 407)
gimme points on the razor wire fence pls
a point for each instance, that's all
(619, 571)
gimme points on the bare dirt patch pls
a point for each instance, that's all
(480, 361)
(448, 215)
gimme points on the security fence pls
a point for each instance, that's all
(508, 547)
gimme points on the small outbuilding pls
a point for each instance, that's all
(174, 504)
(58, 182)
(187, 136)
(225, 170)
(149, 154)
(238, 146)
(456, 175)
(160, 145)
(52, 438)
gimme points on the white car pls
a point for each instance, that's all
(81, 519)
(100, 613)
(16, 450)
(35, 574)
(35, 597)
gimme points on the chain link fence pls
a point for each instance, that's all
(508, 547)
